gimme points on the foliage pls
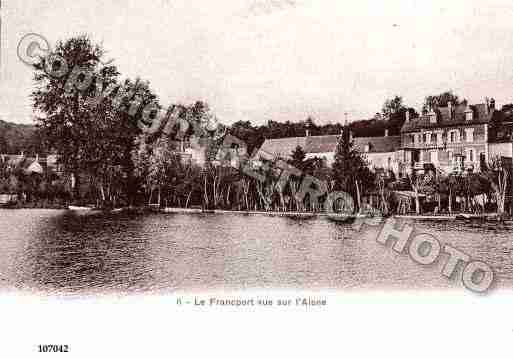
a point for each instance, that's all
(350, 171)
(93, 137)
(440, 100)
(393, 105)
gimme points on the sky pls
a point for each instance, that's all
(283, 60)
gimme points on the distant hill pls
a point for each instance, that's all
(15, 138)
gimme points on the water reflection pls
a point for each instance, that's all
(76, 252)
(58, 251)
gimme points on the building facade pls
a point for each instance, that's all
(452, 138)
(380, 152)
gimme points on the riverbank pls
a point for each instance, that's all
(492, 217)
(455, 216)
(305, 215)
(34, 206)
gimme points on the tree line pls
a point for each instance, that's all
(110, 160)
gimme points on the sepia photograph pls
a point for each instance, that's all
(261, 178)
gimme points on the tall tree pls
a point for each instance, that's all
(350, 171)
(72, 127)
(87, 116)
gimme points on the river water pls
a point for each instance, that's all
(53, 251)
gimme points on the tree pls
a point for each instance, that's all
(157, 165)
(298, 158)
(71, 126)
(350, 171)
(498, 174)
(393, 105)
(440, 100)
(4, 146)
(87, 117)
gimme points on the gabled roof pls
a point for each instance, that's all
(377, 144)
(283, 147)
(321, 144)
(480, 112)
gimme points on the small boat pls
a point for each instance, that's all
(7, 199)
(80, 208)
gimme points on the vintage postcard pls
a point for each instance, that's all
(262, 178)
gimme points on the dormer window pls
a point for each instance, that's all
(469, 114)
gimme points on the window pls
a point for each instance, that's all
(424, 138)
(454, 136)
(433, 138)
(469, 134)
(470, 155)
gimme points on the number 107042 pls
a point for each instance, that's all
(53, 348)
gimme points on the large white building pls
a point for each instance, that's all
(380, 152)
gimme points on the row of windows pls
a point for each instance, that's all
(452, 136)
(468, 155)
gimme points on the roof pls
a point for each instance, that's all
(481, 114)
(29, 164)
(378, 144)
(283, 147)
(321, 144)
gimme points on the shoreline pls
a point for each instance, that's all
(454, 216)
(489, 217)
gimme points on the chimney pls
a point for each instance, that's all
(407, 116)
(492, 104)
(386, 132)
